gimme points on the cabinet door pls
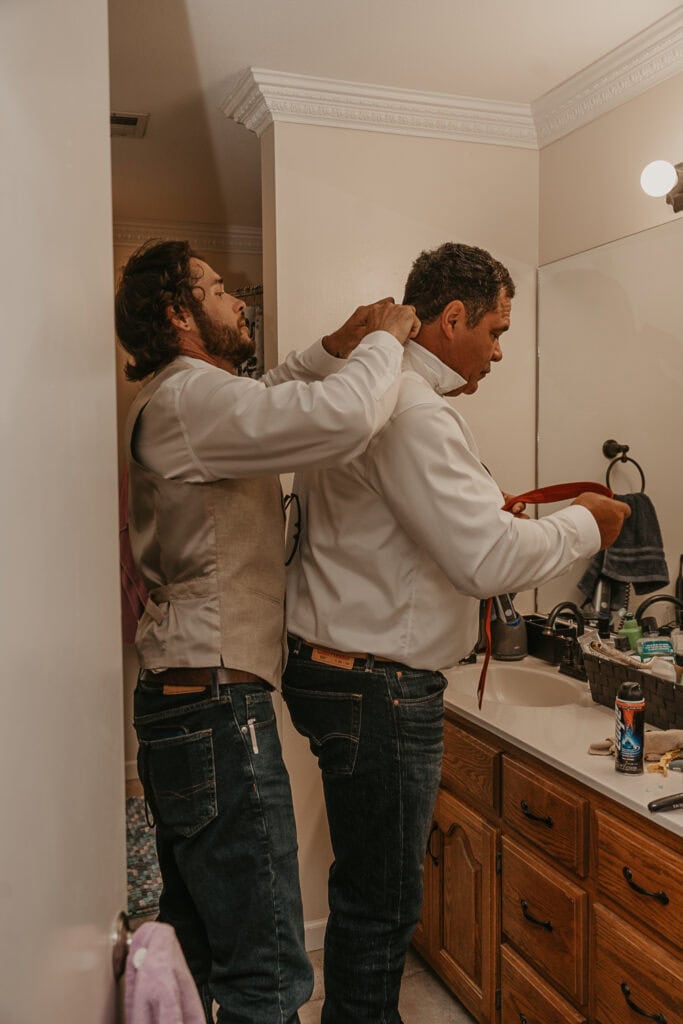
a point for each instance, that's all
(469, 927)
(633, 978)
(425, 937)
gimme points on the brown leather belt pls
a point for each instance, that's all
(193, 680)
(350, 660)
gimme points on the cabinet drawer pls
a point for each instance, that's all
(630, 967)
(544, 917)
(553, 818)
(526, 999)
(627, 864)
(470, 767)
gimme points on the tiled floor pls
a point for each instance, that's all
(424, 999)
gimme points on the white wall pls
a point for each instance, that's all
(62, 853)
(345, 214)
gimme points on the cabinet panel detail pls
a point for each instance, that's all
(469, 924)
(641, 875)
(551, 817)
(633, 978)
(526, 997)
(471, 767)
(545, 918)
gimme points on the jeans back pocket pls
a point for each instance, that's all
(179, 778)
(331, 723)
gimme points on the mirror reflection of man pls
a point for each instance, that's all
(205, 447)
(398, 546)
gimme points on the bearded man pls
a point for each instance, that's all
(205, 447)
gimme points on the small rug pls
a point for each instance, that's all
(144, 880)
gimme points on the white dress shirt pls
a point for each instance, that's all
(399, 544)
(206, 424)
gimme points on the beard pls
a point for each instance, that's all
(222, 341)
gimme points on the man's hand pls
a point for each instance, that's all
(384, 315)
(518, 508)
(608, 514)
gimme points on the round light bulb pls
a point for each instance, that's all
(658, 178)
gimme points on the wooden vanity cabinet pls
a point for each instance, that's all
(460, 926)
(546, 902)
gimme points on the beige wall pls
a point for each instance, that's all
(345, 213)
(62, 853)
(590, 180)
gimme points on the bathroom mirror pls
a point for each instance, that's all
(610, 352)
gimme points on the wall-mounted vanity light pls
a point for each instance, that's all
(660, 178)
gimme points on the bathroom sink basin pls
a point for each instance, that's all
(516, 683)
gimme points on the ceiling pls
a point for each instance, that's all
(178, 59)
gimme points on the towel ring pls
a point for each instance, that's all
(626, 458)
(617, 453)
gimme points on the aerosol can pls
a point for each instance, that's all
(629, 729)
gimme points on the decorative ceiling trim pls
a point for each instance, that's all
(262, 97)
(631, 69)
(204, 238)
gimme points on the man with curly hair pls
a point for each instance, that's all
(205, 447)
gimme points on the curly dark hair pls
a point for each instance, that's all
(156, 276)
(456, 271)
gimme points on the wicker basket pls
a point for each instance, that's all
(663, 699)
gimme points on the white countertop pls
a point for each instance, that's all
(560, 735)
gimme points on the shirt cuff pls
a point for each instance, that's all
(587, 532)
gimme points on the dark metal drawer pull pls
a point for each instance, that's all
(541, 924)
(435, 860)
(535, 817)
(522, 1019)
(659, 1018)
(661, 896)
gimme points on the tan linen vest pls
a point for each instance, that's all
(212, 558)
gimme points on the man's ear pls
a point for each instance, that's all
(451, 315)
(180, 318)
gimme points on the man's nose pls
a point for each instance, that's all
(497, 353)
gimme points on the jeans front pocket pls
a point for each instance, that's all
(331, 723)
(179, 777)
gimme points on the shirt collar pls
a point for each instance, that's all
(437, 374)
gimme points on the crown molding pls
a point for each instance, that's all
(261, 98)
(626, 72)
(202, 237)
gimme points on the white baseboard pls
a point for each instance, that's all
(314, 934)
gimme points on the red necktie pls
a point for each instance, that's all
(556, 492)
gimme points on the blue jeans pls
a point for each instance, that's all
(378, 737)
(213, 776)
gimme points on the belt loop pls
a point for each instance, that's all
(295, 644)
(215, 685)
(370, 663)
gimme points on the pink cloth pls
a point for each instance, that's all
(133, 590)
(159, 986)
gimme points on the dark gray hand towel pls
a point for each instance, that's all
(636, 557)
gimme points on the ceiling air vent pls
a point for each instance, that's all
(133, 126)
